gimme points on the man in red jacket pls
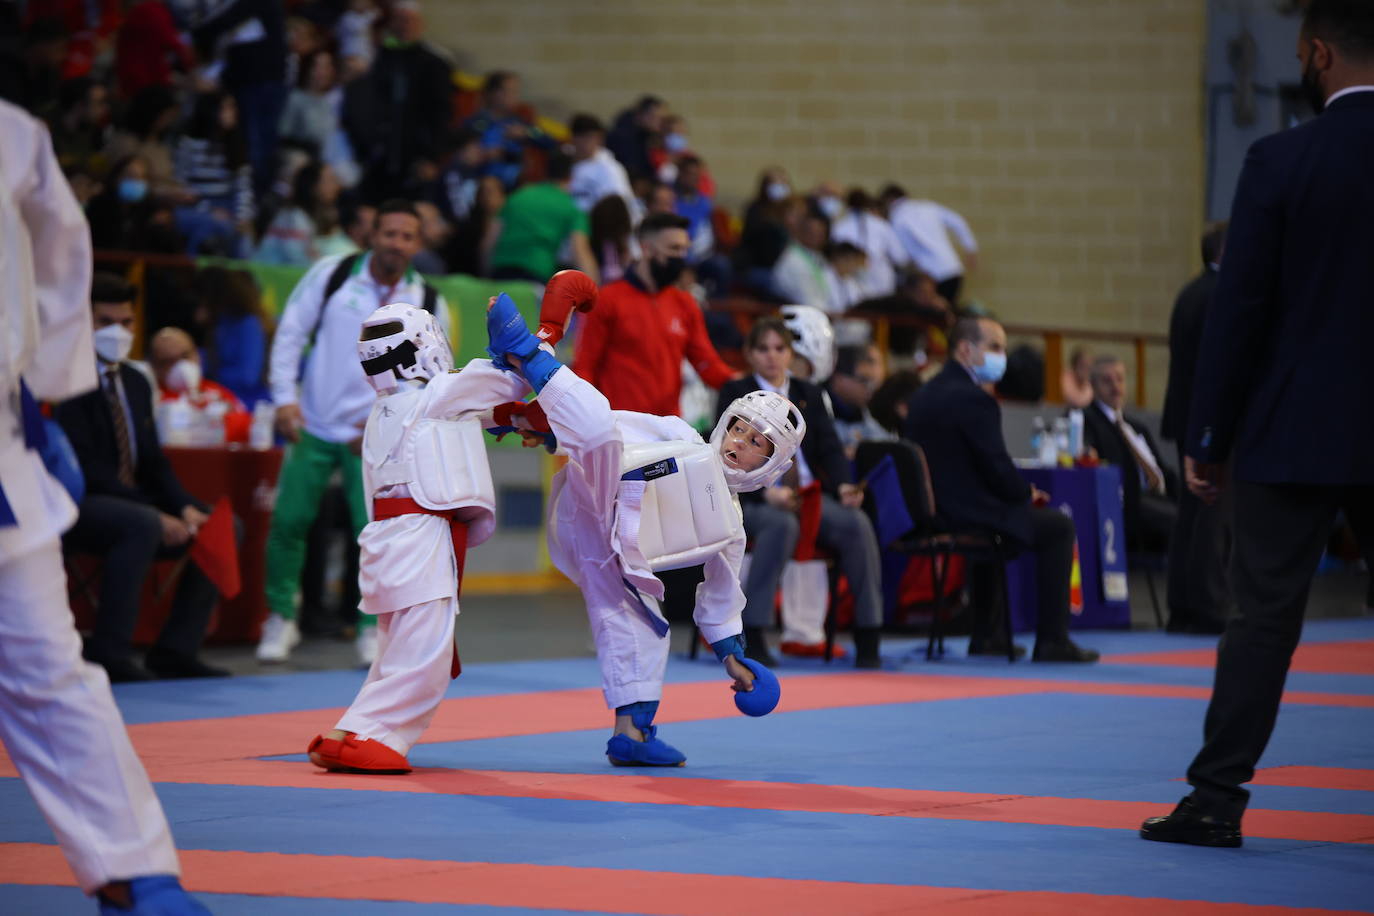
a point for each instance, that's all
(632, 346)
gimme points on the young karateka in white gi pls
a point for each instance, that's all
(58, 719)
(640, 493)
(430, 497)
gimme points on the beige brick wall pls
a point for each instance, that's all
(1068, 132)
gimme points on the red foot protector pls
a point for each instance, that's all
(355, 755)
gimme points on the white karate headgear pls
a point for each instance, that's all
(401, 341)
(776, 418)
(812, 337)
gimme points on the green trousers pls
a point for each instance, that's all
(304, 476)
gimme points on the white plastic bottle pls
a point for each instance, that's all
(1076, 434)
(260, 434)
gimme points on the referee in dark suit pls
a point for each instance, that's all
(1285, 387)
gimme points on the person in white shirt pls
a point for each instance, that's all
(924, 228)
(323, 415)
(861, 225)
(596, 173)
(642, 493)
(58, 719)
(802, 275)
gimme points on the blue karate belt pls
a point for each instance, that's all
(35, 437)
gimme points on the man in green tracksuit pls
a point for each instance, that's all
(323, 399)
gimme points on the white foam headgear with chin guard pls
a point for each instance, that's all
(776, 418)
(400, 341)
(812, 337)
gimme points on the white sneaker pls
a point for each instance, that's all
(279, 637)
(367, 645)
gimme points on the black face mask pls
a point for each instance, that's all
(666, 272)
(1312, 89)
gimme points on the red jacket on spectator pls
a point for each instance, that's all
(630, 347)
(145, 40)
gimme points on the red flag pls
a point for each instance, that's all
(215, 551)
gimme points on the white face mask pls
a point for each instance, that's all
(830, 206)
(113, 342)
(778, 190)
(184, 376)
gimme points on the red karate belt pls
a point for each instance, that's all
(395, 507)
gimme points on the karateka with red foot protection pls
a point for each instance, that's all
(642, 493)
(430, 498)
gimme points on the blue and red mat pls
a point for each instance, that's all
(963, 786)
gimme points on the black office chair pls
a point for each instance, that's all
(900, 501)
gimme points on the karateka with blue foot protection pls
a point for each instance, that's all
(640, 494)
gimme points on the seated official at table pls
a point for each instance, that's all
(176, 366)
(977, 488)
(1149, 511)
(135, 509)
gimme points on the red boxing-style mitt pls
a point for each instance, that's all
(567, 291)
(521, 415)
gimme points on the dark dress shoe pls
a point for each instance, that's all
(1066, 651)
(120, 670)
(994, 647)
(165, 663)
(1190, 825)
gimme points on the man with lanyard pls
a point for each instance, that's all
(323, 399)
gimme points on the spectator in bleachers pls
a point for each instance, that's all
(466, 251)
(235, 332)
(924, 228)
(455, 190)
(354, 34)
(313, 116)
(660, 198)
(435, 236)
(846, 264)
(858, 375)
(612, 237)
(672, 145)
(176, 366)
(862, 225)
(1076, 382)
(80, 131)
(127, 216)
(358, 219)
(398, 112)
(143, 133)
(148, 49)
(135, 510)
(696, 207)
(291, 237)
(31, 73)
(537, 221)
(505, 134)
(801, 274)
(211, 161)
(770, 515)
(633, 135)
(978, 489)
(1147, 486)
(596, 173)
(254, 71)
(827, 199)
(888, 405)
(765, 234)
(631, 346)
(304, 39)
(323, 416)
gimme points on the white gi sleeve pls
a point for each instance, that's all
(720, 599)
(477, 387)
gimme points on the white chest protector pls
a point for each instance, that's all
(685, 512)
(442, 462)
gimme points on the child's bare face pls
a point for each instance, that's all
(744, 447)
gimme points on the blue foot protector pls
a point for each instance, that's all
(763, 699)
(625, 751)
(507, 333)
(157, 895)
